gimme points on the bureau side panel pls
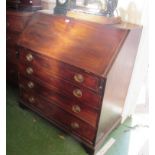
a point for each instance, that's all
(118, 79)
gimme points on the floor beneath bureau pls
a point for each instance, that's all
(28, 134)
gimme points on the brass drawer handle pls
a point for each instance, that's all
(76, 109)
(77, 93)
(29, 57)
(29, 70)
(78, 78)
(75, 125)
(31, 99)
(30, 84)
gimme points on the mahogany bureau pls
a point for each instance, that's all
(76, 73)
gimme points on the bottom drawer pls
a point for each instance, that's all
(53, 113)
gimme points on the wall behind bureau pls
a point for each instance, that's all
(136, 12)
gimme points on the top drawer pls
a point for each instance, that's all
(64, 71)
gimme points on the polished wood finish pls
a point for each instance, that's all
(64, 119)
(63, 70)
(76, 73)
(66, 102)
(15, 22)
(70, 34)
(79, 93)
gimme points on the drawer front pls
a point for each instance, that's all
(77, 93)
(64, 71)
(78, 109)
(64, 119)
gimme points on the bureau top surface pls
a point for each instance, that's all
(86, 45)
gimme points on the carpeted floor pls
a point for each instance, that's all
(28, 134)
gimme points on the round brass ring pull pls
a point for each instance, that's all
(29, 70)
(78, 78)
(76, 109)
(30, 84)
(77, 93)
(29, 57)
(75, 125)
(31, 99)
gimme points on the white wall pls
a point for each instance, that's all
(136, 11)
(133, 11)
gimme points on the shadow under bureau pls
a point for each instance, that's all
(76, 73)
